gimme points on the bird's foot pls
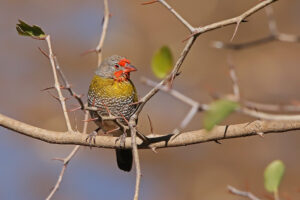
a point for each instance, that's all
(122, 140)
(92, 137)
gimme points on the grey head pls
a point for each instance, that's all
(114, 66)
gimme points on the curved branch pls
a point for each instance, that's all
(155, 141)
(234, 20)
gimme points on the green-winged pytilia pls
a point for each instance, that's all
(112, 91)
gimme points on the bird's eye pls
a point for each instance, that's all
(117, 66)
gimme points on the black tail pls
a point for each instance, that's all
(124, 159)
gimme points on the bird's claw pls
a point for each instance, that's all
(122, 140)
(91, 138)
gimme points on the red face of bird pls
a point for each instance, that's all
(115, 67)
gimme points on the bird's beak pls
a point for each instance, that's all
(129, 68)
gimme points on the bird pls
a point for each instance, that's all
(113, 94)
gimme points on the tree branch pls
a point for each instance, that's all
(103, 34)
(57, 85)
(181, 19)
(132, 125)
(195, 106)
(274, 35)
(234, 20)
(272, 107)
(53, 60)
(66, 161)
(155, 141)
(62, 172)
(190, 43)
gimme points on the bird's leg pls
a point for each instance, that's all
(122, 139)
(92, 137)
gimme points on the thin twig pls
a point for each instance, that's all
(132, 125)
(57, 85)
(103, 34)
(176, 68)
(271, 107)
(244, 110)
(234, 20)
(195, 106)
(248, 195)
(172, 75)
(268, 116)
(224, 45)
(283, 37)
(149, 2)
(234, 79)
(271, 20)
(76, 96)
(250, 111)
(190, 43)
(66, 161)
(65, 164)
(274, 35)
(236, 29)
(151, 125)
(181, 19)
(67, 85)
(159, 141)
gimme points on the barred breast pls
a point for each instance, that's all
(110, 95)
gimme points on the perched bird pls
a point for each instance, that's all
(112, 91)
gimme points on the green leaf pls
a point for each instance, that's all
(162, 62)
(25, 29)
(218, 111)
(273, 175)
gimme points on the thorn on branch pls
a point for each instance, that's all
(112, 130)
(91, 119)
(178, 73)
(88, 52)
(191, 35)
(218, 142)
(55, 97)
(74, 109)
(150, 122)
(44, 52)
(124, 118)
(78, 96)
(235, 30)
(225, 131)
(48, 88)
(52, 87)
(106, 107)
(59, 159)
(135, 103)
(149, 2)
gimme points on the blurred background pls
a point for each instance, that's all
(267, 73)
